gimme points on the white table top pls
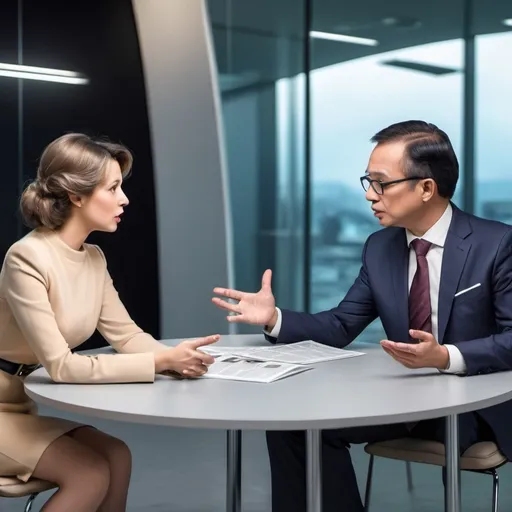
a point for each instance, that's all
(367, 390)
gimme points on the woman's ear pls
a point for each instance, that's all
(76, 200)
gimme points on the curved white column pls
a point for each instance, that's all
(192, 197)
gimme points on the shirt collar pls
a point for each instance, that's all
(438, 232)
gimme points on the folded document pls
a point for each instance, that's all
(232, 367)
(304, 352)
(267, 364)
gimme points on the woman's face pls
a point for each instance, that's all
(103, 209)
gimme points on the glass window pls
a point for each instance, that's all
(493, 112)
(260, 54)
(401, 71)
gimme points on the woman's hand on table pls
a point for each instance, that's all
(186, 360)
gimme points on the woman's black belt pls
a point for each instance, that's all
(17, 369)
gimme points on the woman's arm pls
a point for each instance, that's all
(116, 325)
(27, 295)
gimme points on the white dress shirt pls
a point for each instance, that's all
(437, 236)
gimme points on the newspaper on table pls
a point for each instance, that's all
(301, 353)
(232, 367)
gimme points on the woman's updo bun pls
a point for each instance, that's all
(41, 208)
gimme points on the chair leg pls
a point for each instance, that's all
(408, 469)
(495, 489)
(28, 506)
(368, 485)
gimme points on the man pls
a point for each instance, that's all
(441, 282)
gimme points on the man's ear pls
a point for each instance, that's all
(429, 187)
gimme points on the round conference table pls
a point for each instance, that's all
(371, 389)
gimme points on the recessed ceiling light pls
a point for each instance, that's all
(342, 38)
(507, 22)
(401, 22)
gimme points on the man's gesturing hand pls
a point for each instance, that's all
(252, 308)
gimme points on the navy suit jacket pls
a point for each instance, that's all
(478, 322)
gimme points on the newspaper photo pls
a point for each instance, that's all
(231, 367)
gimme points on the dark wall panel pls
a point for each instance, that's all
(9, 175)
(98, 39)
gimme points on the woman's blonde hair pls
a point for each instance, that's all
(72, 164)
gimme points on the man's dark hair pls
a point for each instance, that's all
(428, 153)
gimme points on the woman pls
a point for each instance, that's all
(55, 290)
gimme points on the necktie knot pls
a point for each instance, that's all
(420, 246)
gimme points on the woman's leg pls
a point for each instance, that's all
(119, 460)
(83, 476)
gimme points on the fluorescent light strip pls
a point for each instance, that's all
(342, 38)
(507, 22)
(35, 69)
(44, 77)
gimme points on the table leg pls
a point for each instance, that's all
(452, 486)
(234, 471)
(314, 470)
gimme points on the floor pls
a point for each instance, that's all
(184, 471)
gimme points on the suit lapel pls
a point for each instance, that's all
(399, 276)
(456, 250)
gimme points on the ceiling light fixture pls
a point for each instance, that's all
(342, 38)
(507, 22)
(431, 69)
(43, 74)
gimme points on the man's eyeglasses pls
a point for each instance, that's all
(378, 186)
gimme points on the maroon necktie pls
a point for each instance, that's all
(420, 310)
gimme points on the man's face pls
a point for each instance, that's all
(401, 203)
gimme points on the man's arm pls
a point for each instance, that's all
(494, 353)
(337, 327)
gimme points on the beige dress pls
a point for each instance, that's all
(52, 298)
